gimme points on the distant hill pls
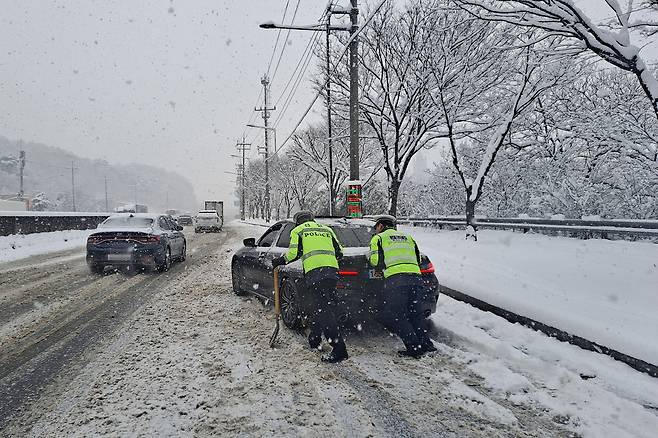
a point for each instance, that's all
(48, 171)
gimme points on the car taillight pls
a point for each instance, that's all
(348, 273)
(151, 238)
(93, 240)
(428, 270)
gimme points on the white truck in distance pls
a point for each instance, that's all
(218, 206)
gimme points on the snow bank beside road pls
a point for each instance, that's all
(19, 246)
(605, 291)
(589, 392)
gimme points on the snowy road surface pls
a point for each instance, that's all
(179, 355)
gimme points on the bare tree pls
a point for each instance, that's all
(311, 150)
(610, 40)
(485, 76)
(393, 99)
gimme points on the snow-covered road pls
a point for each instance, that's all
(193, 359)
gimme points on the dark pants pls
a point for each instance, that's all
(400, 312)
(321, 284)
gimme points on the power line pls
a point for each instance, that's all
(299, 77)
(323, 86)
(285, 43)
(300, 62)
(278, 35)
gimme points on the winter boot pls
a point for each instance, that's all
(338, 353)
(428, 346)
(314, 342)
(416, 351)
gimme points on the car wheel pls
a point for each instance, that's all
(237, 278)
(166, 264)
(183, 254)
(196, 230)
(96, 268)
(290, 311)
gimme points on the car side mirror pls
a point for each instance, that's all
(249, 242)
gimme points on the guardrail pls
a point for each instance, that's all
(583, 228)
(27, 222)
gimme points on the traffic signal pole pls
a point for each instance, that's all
(354, 198)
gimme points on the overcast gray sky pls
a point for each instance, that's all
(169, 83)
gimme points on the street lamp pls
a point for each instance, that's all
(269, 128)
(354, 202)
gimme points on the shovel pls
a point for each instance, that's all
(277, 307)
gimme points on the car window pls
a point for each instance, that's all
(353, 236)
(127, 221)
(268, 238)
(164, 223)
(172, 223)
(284, 237)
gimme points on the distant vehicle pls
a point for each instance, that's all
(172, 212)
(218, 206)
(185, 219)
(207, 220)
(132, 208)
(11, 205)
(360, 286)
(136, 240)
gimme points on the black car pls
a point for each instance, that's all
(137, 240)
(359, 288)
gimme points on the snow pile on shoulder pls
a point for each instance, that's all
(604, 291)
(18, 246)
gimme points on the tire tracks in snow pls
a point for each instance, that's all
(50, 351)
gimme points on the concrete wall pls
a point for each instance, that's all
(12, 205)
(43, 223)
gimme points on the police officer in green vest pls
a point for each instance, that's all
(318, 248)
(398, 255)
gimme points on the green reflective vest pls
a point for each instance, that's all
(399, 252)
(314, 244)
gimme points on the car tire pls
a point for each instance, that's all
(196, 230)
(183, 254)
(290, 309)
(166, 263)
(96, 268)
(237, 279)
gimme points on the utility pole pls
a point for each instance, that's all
(354, 199)
(332, 197)
(266, 150)
(107, 204)
(21, 166)
(73, 185)
(243, 148)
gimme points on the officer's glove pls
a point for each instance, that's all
(279, 261)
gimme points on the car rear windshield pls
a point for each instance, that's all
(127, 221)
(353, 236)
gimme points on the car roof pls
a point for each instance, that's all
(143, 215)
(339, 221)
(208, 211)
